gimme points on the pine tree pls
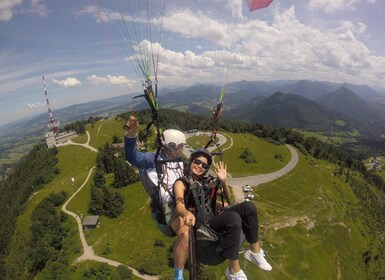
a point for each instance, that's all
(97, 201)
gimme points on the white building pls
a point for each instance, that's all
(50, 139)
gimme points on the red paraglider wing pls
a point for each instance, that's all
(258, 4)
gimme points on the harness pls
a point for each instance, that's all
(214, 120)
(205, 239)
(201, 197)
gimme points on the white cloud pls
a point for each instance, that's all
(35, 105)
(111, 80)
(7, 9)
(106, 15)
(349, 27)
(331, 6)
(284, 49)
(193, 25)
(37, 8)
(95, 12)
(69, 82)
(235, 6)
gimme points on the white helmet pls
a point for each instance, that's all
(173, 138)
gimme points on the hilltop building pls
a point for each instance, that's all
(51, 139)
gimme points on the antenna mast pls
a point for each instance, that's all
(53, 124)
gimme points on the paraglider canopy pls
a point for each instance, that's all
(258, 4)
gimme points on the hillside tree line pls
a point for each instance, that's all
(31, 173)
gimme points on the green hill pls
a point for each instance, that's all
(294, 111)
(318, 222)
(350, 104)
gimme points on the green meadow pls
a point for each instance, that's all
(268, 157)
(337, 138)
(310, 225)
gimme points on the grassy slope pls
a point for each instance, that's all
(324, 243)
(264, 153)
(311, 223)
(102, 132)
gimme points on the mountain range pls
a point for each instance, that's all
(310, 105)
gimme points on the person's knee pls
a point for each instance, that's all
(251, 208)
(234, 220)
(183, 234)
(183, 237)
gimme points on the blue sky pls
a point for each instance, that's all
(80, 46)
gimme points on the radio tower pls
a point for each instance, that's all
(53, 124)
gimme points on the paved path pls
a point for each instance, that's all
(237, 183)
(86, 145)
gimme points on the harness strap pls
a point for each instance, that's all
(194, 190)
(162, 172)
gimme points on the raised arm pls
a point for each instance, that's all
(221, 172)
(138, 159)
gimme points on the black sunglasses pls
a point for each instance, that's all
(198, 162)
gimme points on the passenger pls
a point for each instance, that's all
(230, 223)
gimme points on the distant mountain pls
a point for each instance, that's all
(365, 92)
(200, 99)
(293, 111)
(350, 104)
(315, 89)
(308, 89)
(261, 87)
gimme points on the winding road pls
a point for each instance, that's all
(235, 183)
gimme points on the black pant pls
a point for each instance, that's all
(234, 220)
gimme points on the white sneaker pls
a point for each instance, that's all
(240, 275)
(258, 259)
